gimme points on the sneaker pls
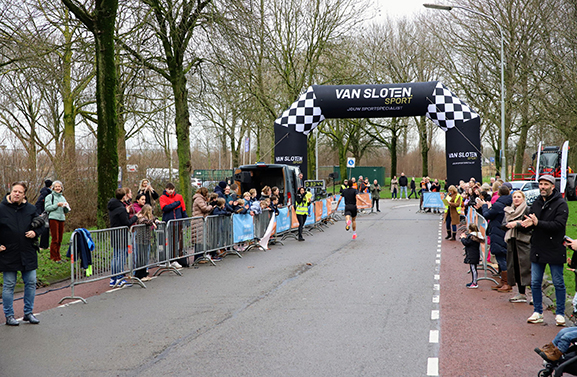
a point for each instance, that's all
(560, 320)
(124, 283)
(518, 298)
(535, 318)
(354, 236)
(175, 264)
(216, 259)
(472, 285)
(348, 225)
(112, 282)
(31, 318)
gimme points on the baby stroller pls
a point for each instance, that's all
(567, 365)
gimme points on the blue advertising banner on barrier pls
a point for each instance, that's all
(311, 216)
(341, 206)
(242, 228)
(325, 211)
(432, 200)
(283, 220)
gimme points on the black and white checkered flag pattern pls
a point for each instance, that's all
(303, 114)
(447, 109)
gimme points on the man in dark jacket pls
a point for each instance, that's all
(403, 183)
(118, 215)
(19, 230)
(548, 219)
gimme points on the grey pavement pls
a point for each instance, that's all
(329, 306)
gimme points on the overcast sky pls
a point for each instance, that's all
(400, 8)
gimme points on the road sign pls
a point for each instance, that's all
(350, 162)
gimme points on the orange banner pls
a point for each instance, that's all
(363, 201)
(328, 203)
(294, 220)
(318, 211)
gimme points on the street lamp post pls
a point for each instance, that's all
(451, 7)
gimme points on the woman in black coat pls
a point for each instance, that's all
(19, 230)
(494, 215)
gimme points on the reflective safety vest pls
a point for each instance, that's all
(459, 199)
(302, 208)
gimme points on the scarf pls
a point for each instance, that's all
(513, 213)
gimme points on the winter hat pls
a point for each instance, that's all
(222, 184)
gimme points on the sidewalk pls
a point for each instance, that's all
(482, 333)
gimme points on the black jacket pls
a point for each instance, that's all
(44, 192)
(15, 221)
(403, 181)
(547, 239)
(118, 214)
(472, 245)
(495, 216)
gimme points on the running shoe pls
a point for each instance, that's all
(175, 264)
(560, 320)
(112, 282)
(348, 225)
(535, 318)
(124, 283)
(354, 236)
(472, 285)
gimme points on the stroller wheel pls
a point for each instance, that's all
(544, 373)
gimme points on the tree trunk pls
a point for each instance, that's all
(311, 156)
(343, 161)
(66, 164)
(182, 134)
(106, 88)
(424, 144)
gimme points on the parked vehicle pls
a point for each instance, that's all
(529, 188)
(256, 176)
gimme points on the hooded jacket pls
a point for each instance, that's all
(44, 192)
(15, 221)
(118, 215)
(547, 239)
(172, 206)
(472, 244)
(495, 216)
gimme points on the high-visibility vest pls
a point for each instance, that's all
(302, 207)
(458, 199)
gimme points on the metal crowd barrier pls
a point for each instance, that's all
(217, 237)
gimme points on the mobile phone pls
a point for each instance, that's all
(478, 200)
(567, 240)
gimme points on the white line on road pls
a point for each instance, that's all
(437, 287)
(436, 299)
(437, 277)
(434, 336)
(434, 314)
(433, 366)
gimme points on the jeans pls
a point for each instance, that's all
(537, 271)
(564, 338)
(119, 257)
(403, 189)
(29, 278)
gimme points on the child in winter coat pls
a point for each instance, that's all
(220, 209)
(472, 242)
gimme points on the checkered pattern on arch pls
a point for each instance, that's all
(303, 114)
(447, 109)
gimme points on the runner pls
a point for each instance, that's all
(350, 195)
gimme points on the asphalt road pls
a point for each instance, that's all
(329, 306)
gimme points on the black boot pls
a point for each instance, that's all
(448, 234)
(454, 236)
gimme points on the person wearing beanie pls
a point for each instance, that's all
(220, 189)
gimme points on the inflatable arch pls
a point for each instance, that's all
(460, 123)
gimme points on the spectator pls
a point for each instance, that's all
(273, 206)
(302, 210)
(361, 184)
(394, 187)
(127, 201)
(446, 187)
(472, 242)
(518, 246)
(143, 237)
(435, 186)
(424, 188)
(276, 192)
(220, 189)
(494, 215)
(403, 183)
(452, 219)
(19, 231)
(118, 215)
(201, 209)
(252, 195)
(45, 236)
(211, 199)
(255, 208)
(344, 185)
(548, 219)
(301, 182)
(413, 186)
(241, 208)
(174, 208)
(57, 208)
(220, 209)
(354, 182)
(137, 206)
(265, 193)
(148, 191)
(553, 351)
(376, 195)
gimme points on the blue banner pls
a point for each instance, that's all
(283, 220)
(432, 200)
(242, 228)
(325, 211)
(341, 206)
(311, 215)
